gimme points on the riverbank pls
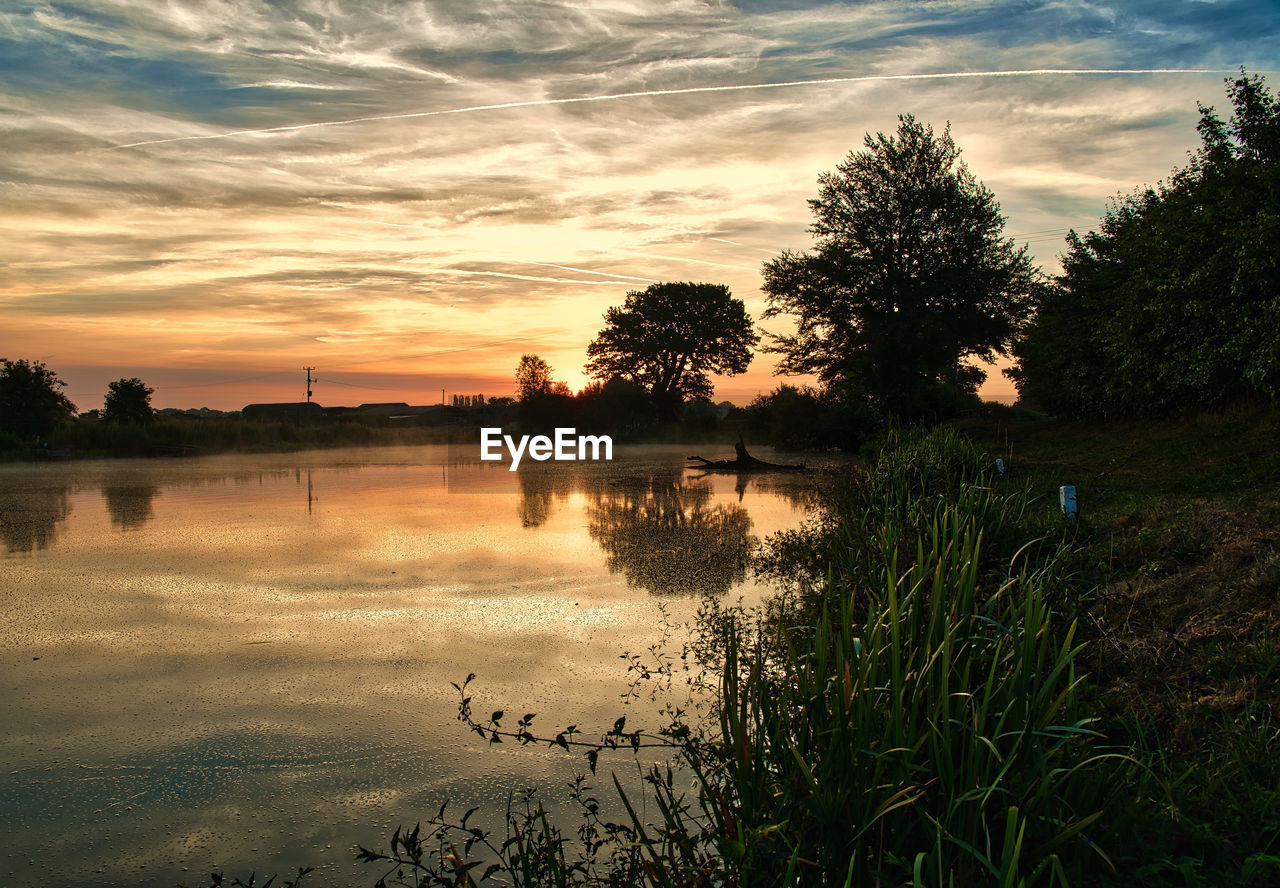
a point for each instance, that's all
(1179, 561)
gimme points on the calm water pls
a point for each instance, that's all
(238, 662)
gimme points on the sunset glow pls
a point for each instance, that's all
(213, 195)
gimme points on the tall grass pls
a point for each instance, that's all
(921, 732)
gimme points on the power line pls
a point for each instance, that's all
(380, 388)
(228, 381)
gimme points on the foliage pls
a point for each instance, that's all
(670, 337)
(533, 378)
(544, 402)
(809, 419)
(910, 278)
(1176, 536)
(218, 880)
(30, 401)
(1173, 303)
(619, 406)
(128, 401)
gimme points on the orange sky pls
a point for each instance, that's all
(212, 196)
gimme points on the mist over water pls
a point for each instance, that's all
(244, 662)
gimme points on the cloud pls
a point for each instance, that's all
(342, 175)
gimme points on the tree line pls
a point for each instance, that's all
(1173, 303)
(32, 403)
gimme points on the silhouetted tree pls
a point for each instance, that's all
(128, 401)
(1174, 301)
(533, 377)
(544, 402)
(30, 401)
(910, 278)
(670, 337)
(810, 419)
(617, 406)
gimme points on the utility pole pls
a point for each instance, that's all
(308, 369)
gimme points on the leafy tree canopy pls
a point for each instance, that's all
(670, 337)
(31, 402)
(533, 378)
(128, 401)
(910, 277)
(544, 402)
(1174, 301)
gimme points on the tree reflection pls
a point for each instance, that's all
(540, 490)
(29, 517)
(129, 504)
(664, 535)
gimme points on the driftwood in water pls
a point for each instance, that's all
(744, 462)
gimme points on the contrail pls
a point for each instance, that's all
(625, 277)
(613, 97)
(677, 259)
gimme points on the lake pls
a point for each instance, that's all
(244, 661)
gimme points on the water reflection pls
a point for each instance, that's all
(204, 674)
(30, 516)
(129, 503)
(658, 525)
(540, 491)
(665, 536)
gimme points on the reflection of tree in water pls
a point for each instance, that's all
(29, 518)
(799, 490)
(129, 504)
(539, 491)
(663, 534)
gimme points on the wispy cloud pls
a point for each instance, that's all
(209, 183)
(691, 90)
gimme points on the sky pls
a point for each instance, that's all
(212, 195)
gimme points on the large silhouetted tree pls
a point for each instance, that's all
(911, 275)
(544, 402)
(1173, 303)
(128, 401)
(533, 377)
(670, 338)
(31, 402)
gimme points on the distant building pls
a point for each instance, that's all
(395, 408)
(292, 412)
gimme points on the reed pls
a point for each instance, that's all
(923, 731)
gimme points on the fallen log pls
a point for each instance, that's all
(744, 462)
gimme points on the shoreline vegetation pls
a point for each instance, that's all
(181, 438)
(959, 686)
